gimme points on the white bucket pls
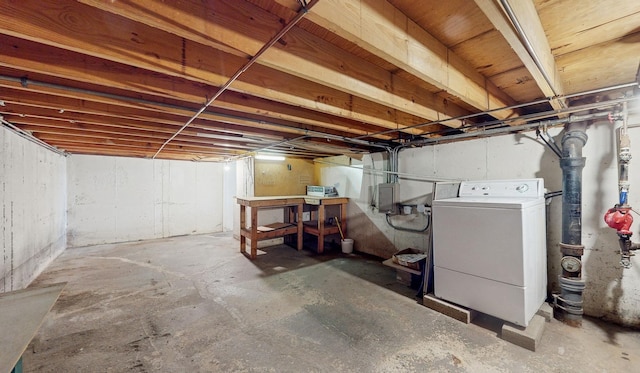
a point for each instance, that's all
(347, 245)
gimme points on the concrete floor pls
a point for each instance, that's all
(196, 304)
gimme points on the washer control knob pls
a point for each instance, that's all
(522, 188)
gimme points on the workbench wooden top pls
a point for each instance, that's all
(288, 200)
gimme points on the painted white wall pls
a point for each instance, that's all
(228, 194)
(116, 199)
(32, 219)
(611, 292)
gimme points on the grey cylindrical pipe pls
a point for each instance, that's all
(572, 164)
(569, 302)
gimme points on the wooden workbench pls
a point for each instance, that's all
(295, 206)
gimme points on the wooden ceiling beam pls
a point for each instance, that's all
(80, 103)
(15, 113)
(59, 141)
(544, 71)
(49, 117)
(109, 151)
(109, 76)
(383, 30)
(76, 27)
(38, 126)
(247, 28)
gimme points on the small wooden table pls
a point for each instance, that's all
(256, 203)
(295, 206)
(317, 226)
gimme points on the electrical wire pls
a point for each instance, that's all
(539, 135)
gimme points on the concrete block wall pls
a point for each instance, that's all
(32, 216)
(612, 292)
(116, 199)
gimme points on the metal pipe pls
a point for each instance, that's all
(568, 303)
(26, 82)
(493, 131)
(529, 47)
(624, 156)
(517, 106)
(356, 140)
(301, 13)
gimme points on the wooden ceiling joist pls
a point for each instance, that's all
(529, 41)
(121, 77)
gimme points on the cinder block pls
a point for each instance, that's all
(545, 311)
(457, 312)
(528, 337)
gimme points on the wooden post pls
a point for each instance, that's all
(300, 209)
(254, 232)
(243, 225)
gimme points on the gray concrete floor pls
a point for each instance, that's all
(196, 304)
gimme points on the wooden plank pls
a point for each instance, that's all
(243, 226)
(112, 108)
(590, 24)
(272, 227)
(389, 263)
(21, 314)
(527, 16)
(262, 235)
(300, 210)
(581, 74)
(254, 232)
(459, 313)
(48, 60)
(246, 28)
(155, 50)
(386, 32)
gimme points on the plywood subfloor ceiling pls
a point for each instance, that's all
(116, 77)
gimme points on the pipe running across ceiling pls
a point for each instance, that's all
(301, 13)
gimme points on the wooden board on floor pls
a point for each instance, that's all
(21, 313)
(389, 263)
(457, 312)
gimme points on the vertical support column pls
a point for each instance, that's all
(254, 232)
(300, 209)
(321, 219)
(243, 226)
(343, 219)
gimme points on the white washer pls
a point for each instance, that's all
(489, 248)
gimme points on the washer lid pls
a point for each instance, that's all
(489, 202)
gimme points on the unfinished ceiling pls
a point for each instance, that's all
(213, 80)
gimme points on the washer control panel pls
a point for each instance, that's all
(528, 188)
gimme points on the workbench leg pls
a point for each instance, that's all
(321, 219)
(343, 219)
(243, 225)
(300, 226)
(254, 233)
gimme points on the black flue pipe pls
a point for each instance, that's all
(568, 304)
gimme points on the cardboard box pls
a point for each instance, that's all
(409, 258)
